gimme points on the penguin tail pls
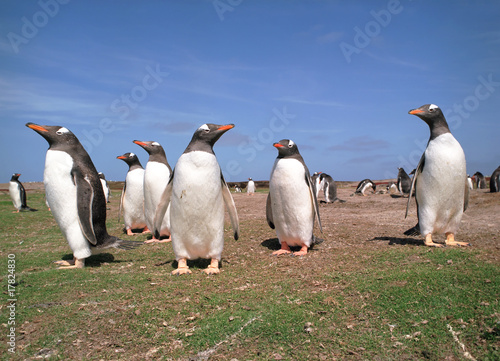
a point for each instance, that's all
(340, 200)
(317, 240)
(28, 209)
(414, 231)
(116, 242)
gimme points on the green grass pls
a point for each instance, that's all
(385, 303)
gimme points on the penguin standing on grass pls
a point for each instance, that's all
(404, 182)
(292, 206)
(197, 193)
(132, 199)
(440, 181)
(75, 195)
(105, 186)
(480, 180)
(329, 187)
(18, 194)
(495, 181)
(156, 176)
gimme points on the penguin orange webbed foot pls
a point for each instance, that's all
(213, 269)
(429, 243)
(74, 263)
(450, 241)
(182, 268)
(156, 240)
(130, 233)
(302, 252)
(145, 230)
(284, 250)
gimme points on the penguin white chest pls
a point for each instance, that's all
(292, 203)
(156, 177)
(61, 194)
(133, 201)
(440, 187)
(15, 194)
(197, 207)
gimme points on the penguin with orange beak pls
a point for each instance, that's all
(75, 195)
(197, 193)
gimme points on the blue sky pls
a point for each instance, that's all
(336, 77)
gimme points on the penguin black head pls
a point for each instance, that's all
(101, 175)
(150, 146)
(15, 176)
(131, 159)
(433, 116)
(286, 148)
(205, 137)
(58, 137)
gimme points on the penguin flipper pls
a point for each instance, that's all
(22, 194)
(122, 197)
(162, 207)
(418, 170)
(313, 198)
(85, 200)
(269, 212)
(231, 207)
(466, 195)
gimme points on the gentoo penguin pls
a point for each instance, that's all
(329, 187)
(75, 195)
(250, 187)
(197, 193)
(392, 188)
(18, 194)
(404, 182)
(316, 183)
(132, 199)
(480, 180)
(291, 203)
(495, 181)
(105, 186)
(237, 188)
(156, 176)
(363, 186)
(469, 182)
(440, 181)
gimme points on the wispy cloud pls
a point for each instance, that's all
(395, 61)
(362, 143)
(326, 103)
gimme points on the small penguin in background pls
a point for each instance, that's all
(392, 188)
(156, 176)
(363, 186)
(316, 183)
(18, 195)
(442, 192)
(197, 193)
(237, 188)
(495, 181)
(132, 199)
(404, 182)
(250, 187)
(75, 195)
(105, 186)
(291, 206)
(329, 187)
(469, 182)
(480, 180)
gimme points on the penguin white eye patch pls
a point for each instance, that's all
(62, 131)
(204, 127)
(433, 106)
(155, 143)
(290, 143)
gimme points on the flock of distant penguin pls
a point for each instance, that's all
(186, 204)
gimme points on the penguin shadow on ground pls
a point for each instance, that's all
(96, 260)
(273, 244)
(194, 265)
(399, 241)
